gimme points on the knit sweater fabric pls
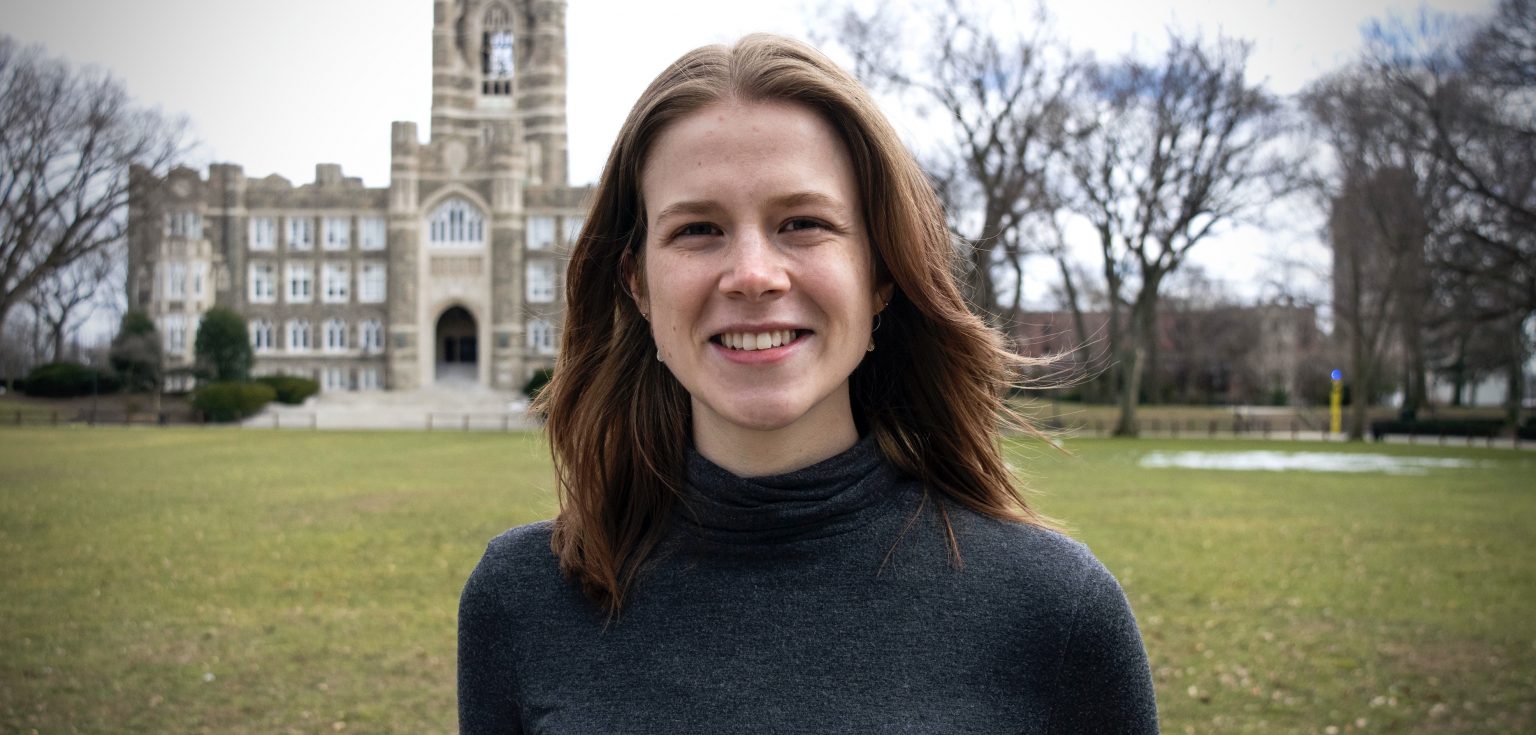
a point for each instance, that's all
(823, 600)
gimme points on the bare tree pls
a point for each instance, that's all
(1378, 230)
(1462, 100)
(1004, 100)
(67, 140)
(1164, 155)
(68, 296)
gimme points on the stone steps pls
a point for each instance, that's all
(438, 408)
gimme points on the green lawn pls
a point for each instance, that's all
(228, 581)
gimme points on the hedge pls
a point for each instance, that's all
(289, 389)
(1438, 427)
(66, 380)
(231, 400)
(537, 382)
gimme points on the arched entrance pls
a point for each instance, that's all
(458, 354)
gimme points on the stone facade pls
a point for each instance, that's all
(451, 274)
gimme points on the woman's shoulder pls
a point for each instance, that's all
(1027, 556)
(526, 542)
(519, 558)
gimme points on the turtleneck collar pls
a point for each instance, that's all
(827, 498)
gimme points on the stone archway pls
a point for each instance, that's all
(457, 348)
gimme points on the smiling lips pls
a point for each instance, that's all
(752, 341)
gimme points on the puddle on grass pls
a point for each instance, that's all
(1267, 461)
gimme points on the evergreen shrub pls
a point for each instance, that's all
(66, 380)
(537, 382)
(290, 389)
(231, 400)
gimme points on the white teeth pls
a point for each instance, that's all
(749, 341)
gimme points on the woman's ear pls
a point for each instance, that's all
(629, 273)
(883, 294)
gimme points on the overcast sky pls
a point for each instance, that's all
(280, 85)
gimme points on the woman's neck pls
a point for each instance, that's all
(826, 432)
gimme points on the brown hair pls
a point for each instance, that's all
(618, 422)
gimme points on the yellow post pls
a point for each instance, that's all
(1336, 403)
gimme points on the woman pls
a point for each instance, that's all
(775, 427)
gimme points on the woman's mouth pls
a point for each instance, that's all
(752, 341)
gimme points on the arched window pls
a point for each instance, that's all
(335, 335)
(371, 336)
(261, 335)
(496, 52)
(298, 335)
(456, 222)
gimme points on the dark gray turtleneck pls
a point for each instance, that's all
(797, 604)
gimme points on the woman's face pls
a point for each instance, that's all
(757, 275)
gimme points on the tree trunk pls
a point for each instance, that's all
(1150, 376)
(1130, 384)
(1515, 379)
(1360, 391)
(1080, 325)
(1459, 371)
(56, 335)
(1132, 365)
(982, 297)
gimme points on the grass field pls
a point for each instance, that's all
(227, 581)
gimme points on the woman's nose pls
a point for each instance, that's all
(755, 268)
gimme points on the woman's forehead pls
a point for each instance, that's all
(734, 152)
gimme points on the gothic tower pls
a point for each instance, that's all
(488, 187)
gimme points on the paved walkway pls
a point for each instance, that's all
(452, 407)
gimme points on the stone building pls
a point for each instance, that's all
(451, 274)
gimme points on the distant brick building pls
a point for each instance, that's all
(1223, 354)
(451, 274)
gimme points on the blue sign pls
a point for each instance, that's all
(1338, 374)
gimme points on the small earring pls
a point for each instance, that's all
(658, 355)
(645, 316)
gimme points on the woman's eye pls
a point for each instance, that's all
(697, 228)
(802, 223)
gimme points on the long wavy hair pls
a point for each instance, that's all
(619, 423)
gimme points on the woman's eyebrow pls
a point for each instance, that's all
(703, 207)
(806, 198)
(691, 208)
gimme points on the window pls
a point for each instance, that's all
(496, 57)
(370, 336)
(175, 280)
(456, 222)
(261, 335)
(541, 337)
(263, 233)
(333, 378)
(338, 233)
(301, 280)
(335, 331)
(541, 282)
(298, 335)
(197, 279)
(541, 233)
(573, 227)
(371, 283)
(263, 283)
(372, 231)
(301, 233)
(174, 326)
(186, 224)
(336, 283)
(367, 378)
